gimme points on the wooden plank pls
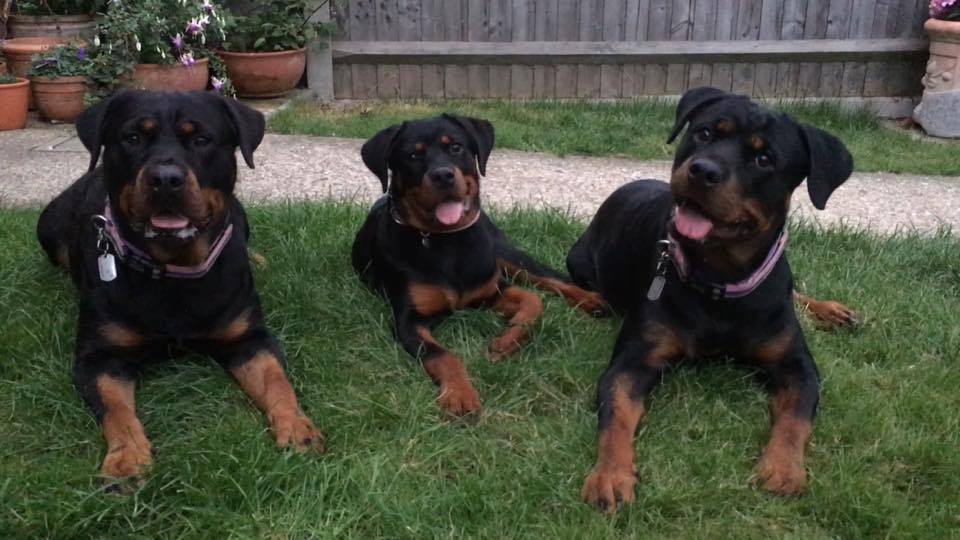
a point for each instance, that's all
(478, 76)
(342, 81)
(765, 74)
(791, 27)
(879, 76)
(431, 29)
(454, 28)
(568, 29)
(521, 76)
(721, 75)
(362, 27)
(838, 26)
(411, 77)
(748, 28)
(591, 29)
(611, 76)
(545, 29)
(814, 27)
(704, 29)
(854, 73)
(388, 75)
(635, 29)
(681, 21)
(501, 27)
(658, 22)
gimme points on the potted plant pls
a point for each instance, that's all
(265, 53)
(13, 102)
(58, 80)
(164, 44)
(939, 109)
(52, 18)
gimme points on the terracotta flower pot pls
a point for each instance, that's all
(19, 50)
(56, 26)
(171, 76)
(13, 104)
(264, 74)
(939, 109)
(60, 98)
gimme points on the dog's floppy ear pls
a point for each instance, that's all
(481, 137)
(90, 129)
(248, 124)
(376, 152)
(830, 164)
(691, 102)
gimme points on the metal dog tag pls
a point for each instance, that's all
(107, 267)
(656, 288)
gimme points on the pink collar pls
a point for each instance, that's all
(137, 259)
(718, 291)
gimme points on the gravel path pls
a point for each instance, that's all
(38, 163)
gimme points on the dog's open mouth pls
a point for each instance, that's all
(169, 226)
(450, 212)
(693, 222)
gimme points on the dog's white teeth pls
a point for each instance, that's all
(149, 232)
(186, 232)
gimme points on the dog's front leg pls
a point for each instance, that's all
(521, 308)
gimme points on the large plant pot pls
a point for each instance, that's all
(56, 26)
(18, 52)
(939, 109)
(264, 74)
(13, 104)
(171, 76)
(59, 99)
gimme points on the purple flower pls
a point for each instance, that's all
(940, 8)
(187, 59)
(216, 83)
(177, 41)
(81, 54)
(207, 7)
(193, 27)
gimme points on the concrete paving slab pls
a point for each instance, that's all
(38, 163)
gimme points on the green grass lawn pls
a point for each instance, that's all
(883, 460)
(636, 129)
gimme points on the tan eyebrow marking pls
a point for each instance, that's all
(444, 139)
(418, 147)
(756, 142)
(188, 127)
(147, 124)
(726, 127)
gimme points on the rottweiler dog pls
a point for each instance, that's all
(156, 243)
(430, 249)
(698, 269)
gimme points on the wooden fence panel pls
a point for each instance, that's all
(631, 21)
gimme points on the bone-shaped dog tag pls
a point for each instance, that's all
(656, 288)
(107, 267)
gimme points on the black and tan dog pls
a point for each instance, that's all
(156, 243)
(430, 249)
(697, 266)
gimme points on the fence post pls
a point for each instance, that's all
(320, 58)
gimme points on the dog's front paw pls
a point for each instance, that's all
(296, 431)
(830, 314)
(459, 399)
(780, 475)
(124, 468)
(606, 487)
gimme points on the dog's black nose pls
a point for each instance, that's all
(706, 172)
(442, 177)
(166, 178)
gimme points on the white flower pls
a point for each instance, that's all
(96, 41)
(138, 46)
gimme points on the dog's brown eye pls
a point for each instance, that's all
(764, 160)
(414, 156)
(703, 135)
(201, 141)
(456, 148)
(131, 138)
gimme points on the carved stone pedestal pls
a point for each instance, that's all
(939, 110)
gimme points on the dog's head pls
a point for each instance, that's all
(738, 164)
(169, 164)
(432, 168)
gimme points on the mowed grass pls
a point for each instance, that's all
(636, 129)
(883, 460)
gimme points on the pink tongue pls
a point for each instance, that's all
(168, 221)
(691, 223)
(449, 213)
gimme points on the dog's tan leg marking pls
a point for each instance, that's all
(522, 308)
(128, 450)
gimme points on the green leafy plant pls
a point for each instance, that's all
(274, 25)
(61, 61)
(6, 78)
(56, 7)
